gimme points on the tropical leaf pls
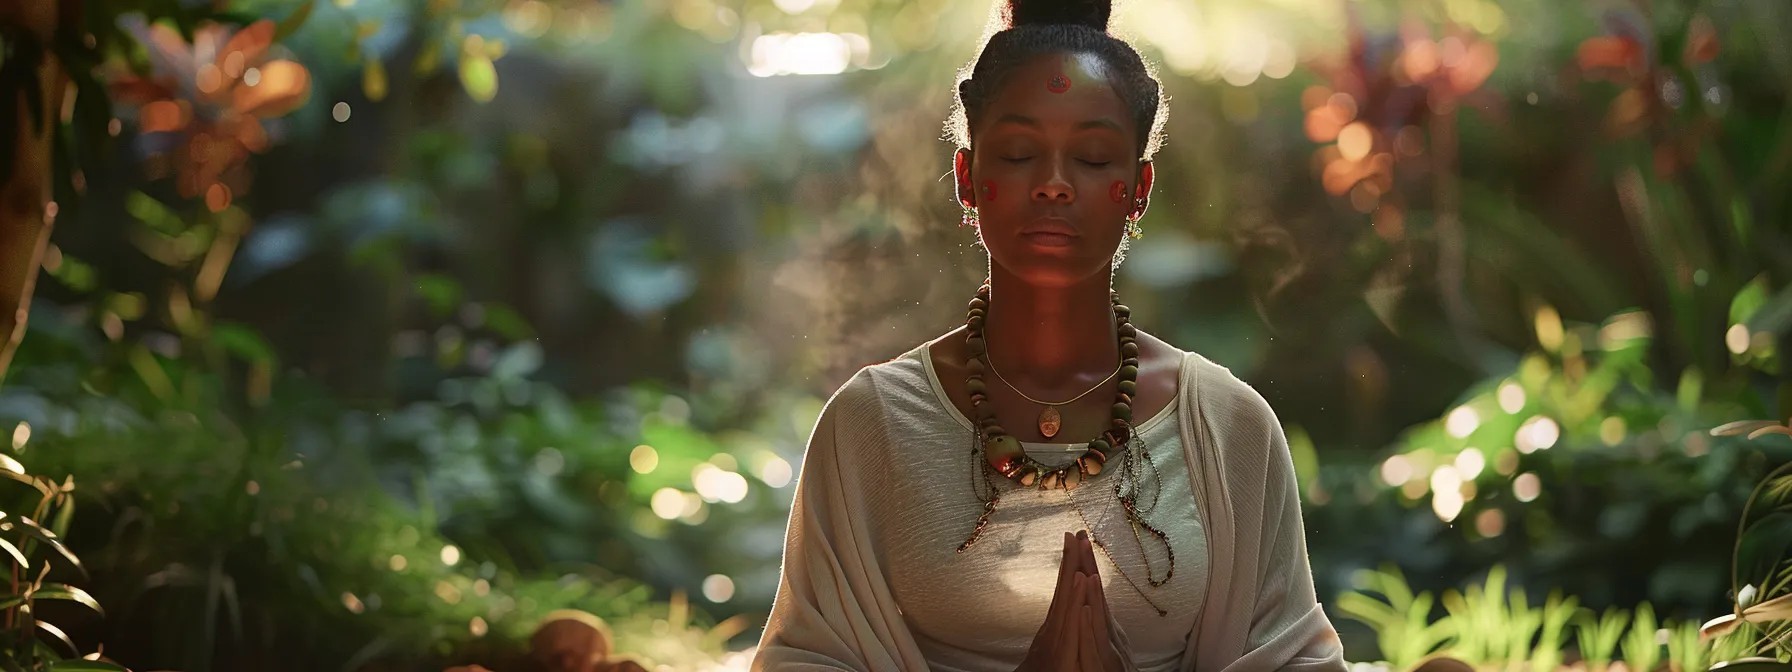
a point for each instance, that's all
(39, 534)
(65, 592)
(60, 636)
(1741, 427)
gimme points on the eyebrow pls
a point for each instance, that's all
(1023, 120)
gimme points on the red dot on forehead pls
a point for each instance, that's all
(1058, 84)
(1118, 191)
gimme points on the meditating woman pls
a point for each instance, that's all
(1049, 487)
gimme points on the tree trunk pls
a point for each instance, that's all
(25, 218)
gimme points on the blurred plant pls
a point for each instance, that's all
(33, 552)
(208, 99)
(1404, 631)
(1598, 636)
(1687, 652)
(1642, 644)
(1491, 629)
(1558, 613)
(1761, 564)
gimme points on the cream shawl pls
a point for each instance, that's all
(834, 609)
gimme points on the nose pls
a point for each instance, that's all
(1056, 188)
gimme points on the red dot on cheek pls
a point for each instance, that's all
(989, 191)
(1118, 191)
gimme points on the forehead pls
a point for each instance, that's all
(1030, 90)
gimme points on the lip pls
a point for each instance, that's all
(1051, 225)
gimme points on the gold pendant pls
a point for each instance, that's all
(1049, 422)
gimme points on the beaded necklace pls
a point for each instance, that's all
(996, 452)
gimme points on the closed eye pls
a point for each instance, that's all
(1017, 159)
(1097, 164)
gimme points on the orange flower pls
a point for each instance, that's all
(213, 96)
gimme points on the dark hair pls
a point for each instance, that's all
(1029, 28)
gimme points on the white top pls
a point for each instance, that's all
(872, 580)
(978, 611)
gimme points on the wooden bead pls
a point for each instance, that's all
(1128, 387)
(1130, 371)
(1129, 349)
(1132, 362)
(1028, 477)
(977, 312)
(1092, 463)
(1125, 399)
(1123, 411)
(975, 385)
(1117, 425)
(1100, 445)
(1072, 478)
(978, 398)
(1128, 331)
(975, 323)
(1122, 310)
(975, 366)
(1051, 481)
(974, 344)
(979, 304)
(1003, 447)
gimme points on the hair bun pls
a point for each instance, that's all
(1088, 13)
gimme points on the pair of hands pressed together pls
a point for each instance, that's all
(1079, 634)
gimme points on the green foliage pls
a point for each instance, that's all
(1558, 613)
(28, 641)
(1495, 629)
(1402, 621)
(1641, 645)
(1686, 653)
(1598, 636)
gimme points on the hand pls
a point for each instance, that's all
(1078, 634)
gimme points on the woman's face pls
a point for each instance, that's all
(1053, 171)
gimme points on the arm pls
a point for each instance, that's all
(1289, 629)
(832, 610)
(1261, 612)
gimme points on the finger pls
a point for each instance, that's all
(1098, 613)
(1088, 652)
(1088, 552)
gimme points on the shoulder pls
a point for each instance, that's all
(866, 391)
(1234, 411)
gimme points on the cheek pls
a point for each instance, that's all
(1117, 191)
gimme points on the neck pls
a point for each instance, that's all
(1051, 339)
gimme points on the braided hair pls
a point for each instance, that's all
(1029, 28)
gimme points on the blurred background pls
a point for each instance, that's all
(369, 331)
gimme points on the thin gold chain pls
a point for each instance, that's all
(992, 369)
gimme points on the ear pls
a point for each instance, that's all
(961, 172)
(1142, 199)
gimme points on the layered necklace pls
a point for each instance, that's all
(1117, 450)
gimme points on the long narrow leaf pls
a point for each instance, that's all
(40, 534)
(60, 637)
(82, 665)
(59, 591)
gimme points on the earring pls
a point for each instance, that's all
(970, 216)
(1133, 230)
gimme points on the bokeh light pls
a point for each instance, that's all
(1527, 487)
(718, 588)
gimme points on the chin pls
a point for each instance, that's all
(1055, 267)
